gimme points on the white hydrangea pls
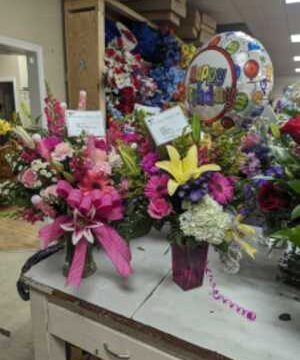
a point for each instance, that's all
(205, 221)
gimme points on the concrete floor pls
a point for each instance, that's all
(14, 312)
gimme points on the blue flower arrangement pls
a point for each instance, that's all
(167, 80)
(111, 31)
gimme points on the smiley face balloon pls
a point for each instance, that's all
(230, 78)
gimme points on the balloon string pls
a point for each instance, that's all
(248, 314)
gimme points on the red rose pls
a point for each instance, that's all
(272, 198)
(292, 128)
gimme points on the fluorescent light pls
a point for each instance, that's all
(296, 58)
(297, 70)
(292, 1)
(295, 38)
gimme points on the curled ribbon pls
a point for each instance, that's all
(218, 296)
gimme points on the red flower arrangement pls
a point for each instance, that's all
(272, 198)
(292, 128)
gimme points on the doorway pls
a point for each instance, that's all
(7, 99)
(22, 87)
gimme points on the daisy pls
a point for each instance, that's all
(157, 187)
(221, 188)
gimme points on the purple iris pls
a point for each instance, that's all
(195, 190)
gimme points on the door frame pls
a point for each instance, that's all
(36, 52)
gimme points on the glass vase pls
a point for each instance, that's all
(136, 222)
(90, 266)
(289, 266)
(189, 264)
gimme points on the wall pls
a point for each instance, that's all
(38, 22)
(281, 82)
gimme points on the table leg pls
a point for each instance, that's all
(46, 346)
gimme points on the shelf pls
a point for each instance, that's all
(123, 10)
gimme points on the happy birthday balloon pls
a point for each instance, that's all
(230, 78)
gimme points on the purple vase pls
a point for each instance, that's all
(189, 264)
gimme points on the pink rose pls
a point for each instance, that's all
(62, 151)
(159, 208)
(29, 179)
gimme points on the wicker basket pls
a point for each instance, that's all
(5, 171)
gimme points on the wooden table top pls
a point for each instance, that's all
(150, 300)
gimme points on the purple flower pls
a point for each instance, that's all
(275, 171)
(148, 163)
(252, 166)
(195, 190)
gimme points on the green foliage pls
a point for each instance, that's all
(139, 122)
(295, 186)
(196, 128)
(291, 234)
(176, 235)
(227, 148)
(275, 131)
(130, 161)
(182, 144)
(136, 222)
(296, 213)
(223, 247)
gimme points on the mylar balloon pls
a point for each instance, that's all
(230, 78)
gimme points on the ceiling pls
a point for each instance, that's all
(271, 21)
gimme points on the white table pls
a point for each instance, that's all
(148, 317)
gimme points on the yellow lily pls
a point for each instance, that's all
(239, 231)
(182, 170)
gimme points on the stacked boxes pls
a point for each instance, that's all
(160, 11)
(197, 27)
(191, 24)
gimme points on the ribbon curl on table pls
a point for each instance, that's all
(90, 213)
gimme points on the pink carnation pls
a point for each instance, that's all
(50, 191)
(29, 178)
(159, 208)
(62, 151)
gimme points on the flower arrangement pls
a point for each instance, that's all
(143, 66)
(181, 185)
(278, 195)
(69, 182)
(127, 74)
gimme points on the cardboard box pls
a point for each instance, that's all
(187, 32)
(204, 37)
(209, 21)
(193, 19)
(178, 7)
(207, 29)
(163, 16)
